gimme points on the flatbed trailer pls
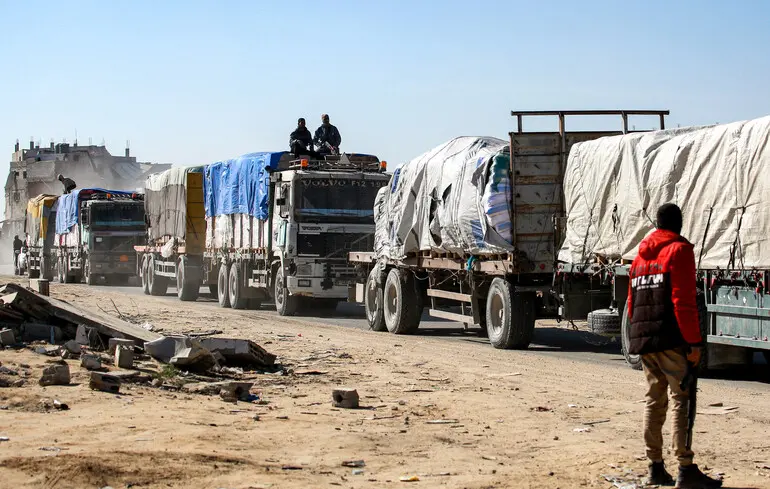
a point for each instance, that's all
(502, 294)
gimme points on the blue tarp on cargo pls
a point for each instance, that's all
(240, 185)
(68, 212)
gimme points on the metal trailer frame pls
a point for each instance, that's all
(502, 294)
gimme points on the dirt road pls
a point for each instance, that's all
(450, 413)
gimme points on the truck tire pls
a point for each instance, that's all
(373, 303)
(223, 290)
(605, 322)
(90, 277)
(143, 270)
(45, 268)
(285, 304)
(158, 285)
(633, 361)
(510, 316)
(401, 302)
(187, 284)
(235, 288)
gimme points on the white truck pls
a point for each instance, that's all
(276, 227)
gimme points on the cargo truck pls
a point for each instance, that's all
(40, 228)
(719, 176)
(265, 226)
(473, 233)
(96, 231)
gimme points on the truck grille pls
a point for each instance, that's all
(334, 245)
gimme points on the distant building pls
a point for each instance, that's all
(34, 171)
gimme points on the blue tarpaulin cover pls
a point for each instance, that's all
(69, 210)
(240, 185)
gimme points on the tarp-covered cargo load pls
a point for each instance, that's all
(718, 175)
(39, 210)
(166, 202)
(454, 198)
(68, 211)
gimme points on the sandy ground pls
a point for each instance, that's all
(452, 414)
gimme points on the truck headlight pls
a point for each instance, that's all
(305, 269)
(99, 239)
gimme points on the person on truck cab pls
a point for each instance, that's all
(665, 331)
(68, 183)
(301, 141)
(327, 138)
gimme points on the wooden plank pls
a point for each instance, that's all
(452, 316)
(445, 294)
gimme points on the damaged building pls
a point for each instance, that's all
(34, 171)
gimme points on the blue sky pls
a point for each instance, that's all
(191, 82)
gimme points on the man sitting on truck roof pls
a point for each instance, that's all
(327, 138)
(69, 184)
(301, 141)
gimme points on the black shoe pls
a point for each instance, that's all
(658, 476)
(690, 477)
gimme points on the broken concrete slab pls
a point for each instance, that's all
(239, 351)
(19, 304)
(48, 350)
(182, 351)
(345, 398)
(72, 346)
(56, 374)
(228, 390)
(7, 338)
(113, 343)
(90, 361)
(124, 357)
(104, 382)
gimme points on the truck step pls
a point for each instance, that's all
(452, 316)
(450, 295)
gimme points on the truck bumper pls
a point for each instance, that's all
(113, 267)
(311, 287)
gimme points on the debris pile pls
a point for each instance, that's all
(58, 329)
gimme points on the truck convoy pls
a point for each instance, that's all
(96, 230)
(40, 228)
(498, 233)
(261, 226)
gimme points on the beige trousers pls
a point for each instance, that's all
(664, 371)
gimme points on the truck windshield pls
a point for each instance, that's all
(336, 200)
(123, 215)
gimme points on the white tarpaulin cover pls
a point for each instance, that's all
(718, 175)
(453, 198)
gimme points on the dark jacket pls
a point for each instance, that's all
(17, 244)
(661, 296)
(327, 134)
(302, 135)
(69, 184)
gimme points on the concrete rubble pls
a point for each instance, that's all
(56, 374)
(345, 398)
(104, 382)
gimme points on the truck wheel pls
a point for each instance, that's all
(400, 302)
(510, 316)
(633, 361)
(158, 285)
(90, 277)
(223, 294)
(187, 284)
(143, 274)
(214, 291)
(285, 304)
(605, 322)
(235, 288)
(373, 303)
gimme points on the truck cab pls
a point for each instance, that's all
(322, 211)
